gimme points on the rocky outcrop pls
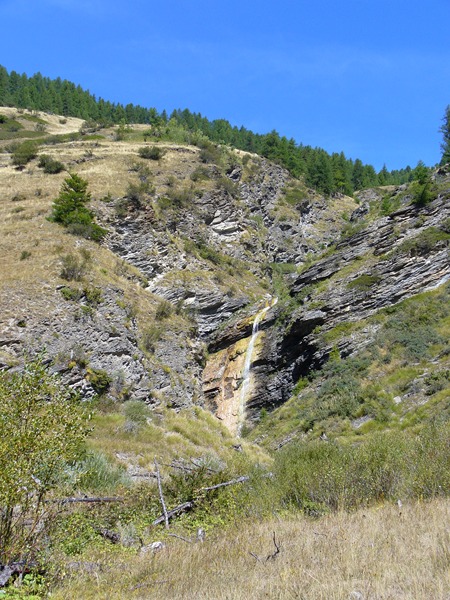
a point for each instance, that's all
(394, 258)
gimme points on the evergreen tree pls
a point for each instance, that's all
(445, 130)
(70, 209)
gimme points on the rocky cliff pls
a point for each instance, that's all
(163, 310)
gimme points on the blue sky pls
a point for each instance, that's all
(367, 77)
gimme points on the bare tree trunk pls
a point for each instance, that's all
(161, 496)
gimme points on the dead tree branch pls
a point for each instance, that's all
(84, 499)
(231, 482)
(180, 537)
(277, 549)
(181, 508)
(161, 495)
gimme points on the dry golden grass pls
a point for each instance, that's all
(54, 124)
(375, 554)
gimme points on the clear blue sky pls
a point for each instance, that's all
(369, 77)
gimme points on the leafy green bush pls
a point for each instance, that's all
(95, 473)
(319, 476)
(43, 428)
(424, 243)
(150, 336)
(363, 282)
(75, 267)
(151, 152)
(50, 165)
(24, 153)
(200, 174)
(99, 379)
(163, 310)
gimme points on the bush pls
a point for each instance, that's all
(97, 474)
(99, 379)
(163, 310)
(151, 152)
(424, 243)
(24, 153)
(50, 165)
(363, 282)
(75, 267)
(43, 428)
(150, 336)
(319, 476)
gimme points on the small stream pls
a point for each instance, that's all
(248, 362)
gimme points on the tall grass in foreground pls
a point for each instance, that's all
(319, 476)
(378, 553)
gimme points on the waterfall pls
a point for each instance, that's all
(248, 361)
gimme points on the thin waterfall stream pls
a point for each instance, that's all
(248, 362)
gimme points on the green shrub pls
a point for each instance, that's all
(38, 439)
(50, 165)
(424, 243)
(23, 153)
(150, 336)
(209, 153)
(177, 198)
(319, 476)
(200, 174)
(137, 194)
(75, 267)
(93, 295)
(95, 473)
(151, 152)
(163, 310)
(99, 379)
(136, 411)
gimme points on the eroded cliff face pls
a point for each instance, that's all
(164, 310)
(390, 259)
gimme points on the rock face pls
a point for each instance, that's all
(189, 260)
(394, 258)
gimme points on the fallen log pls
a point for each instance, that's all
(181, 508)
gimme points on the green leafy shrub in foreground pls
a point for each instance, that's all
(43, 427)
(321, 476)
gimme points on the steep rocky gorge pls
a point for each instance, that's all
(164, 312)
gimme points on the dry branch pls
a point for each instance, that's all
(161, 495)
(181, 508)
(84, 499)
(231, 482)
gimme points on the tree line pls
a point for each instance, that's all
(327, 173)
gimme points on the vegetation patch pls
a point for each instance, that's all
(50, 165)
(151, 152)
(424, 243)
(364, 282)
(70, 209)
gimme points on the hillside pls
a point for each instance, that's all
(154, 323)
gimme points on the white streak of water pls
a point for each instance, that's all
(248, 361)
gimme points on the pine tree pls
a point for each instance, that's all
(445, 130)
(70, 209)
